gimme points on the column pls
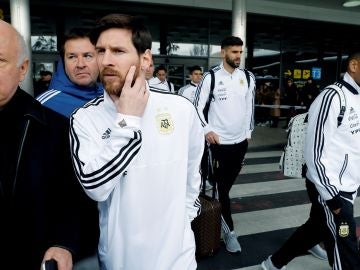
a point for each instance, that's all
(20, 19)
(239, 24)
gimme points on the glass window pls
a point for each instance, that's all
(44, 43)
(188, 49)
(155, 48)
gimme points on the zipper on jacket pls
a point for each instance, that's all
(343, 167)
(19, 155)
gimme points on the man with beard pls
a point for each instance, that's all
(137, 153)
(229, 125)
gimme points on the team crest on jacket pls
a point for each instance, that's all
(164, 123)
(242, 82)
(344, 229)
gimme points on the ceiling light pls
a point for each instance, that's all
(351, 3)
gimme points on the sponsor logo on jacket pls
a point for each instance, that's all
(106, 134)
(354, 121)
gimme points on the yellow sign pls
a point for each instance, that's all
(1, 14)
(306, 73)
(297, 73)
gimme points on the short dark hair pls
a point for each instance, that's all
(45, 72)
(161, 67)
(355, 55)
(193, 68)
(74, 33)
(231, 41)
(141, 37)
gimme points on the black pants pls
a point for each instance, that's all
(228, 160)
(338, 232)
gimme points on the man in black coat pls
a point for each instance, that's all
(38, 188)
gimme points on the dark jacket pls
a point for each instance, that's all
(38, 188)
(64, 97)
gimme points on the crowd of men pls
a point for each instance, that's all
(111, 128)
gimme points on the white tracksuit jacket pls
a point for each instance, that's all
(231, 114)
(155, 83)
(188, 91)
(145, 177)
(332, 153)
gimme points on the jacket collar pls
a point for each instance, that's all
(350, 84)
(28, 106)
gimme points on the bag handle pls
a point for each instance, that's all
(210, 173)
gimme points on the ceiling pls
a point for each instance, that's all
(185, 23)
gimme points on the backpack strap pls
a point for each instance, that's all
(211, 95)
(247, 74)
(212, 85)
(169, 84)
(338, 87)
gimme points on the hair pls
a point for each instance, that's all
(23, 51)
(161, 67)
(141, 37)
(231, 41)
(193, 68)
(74, 33)
(45, 72)
(353, 56)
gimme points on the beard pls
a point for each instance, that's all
(231, 62)
(115, 84)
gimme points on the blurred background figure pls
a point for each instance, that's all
(275, 111)
(160, 82)
(308, 93)
(43, 83)
(290, 98)
(149, 73)
(188, 90)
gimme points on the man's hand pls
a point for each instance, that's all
(212, 137)
(133, 99)
(61, 255)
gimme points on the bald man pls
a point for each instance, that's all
(37, 182)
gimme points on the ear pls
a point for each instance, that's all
(23, 69)
(353, 65)
(145, 60)
(223, 53)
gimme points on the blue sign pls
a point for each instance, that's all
(316, 73)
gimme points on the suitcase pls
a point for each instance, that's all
(207, 226)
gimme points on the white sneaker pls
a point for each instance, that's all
(268, 265)
(318, 252)
(231, 242)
